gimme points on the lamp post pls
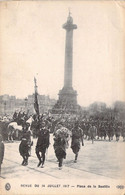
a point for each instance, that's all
(26, 100)
(5, 107)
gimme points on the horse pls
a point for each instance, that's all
(16, 130)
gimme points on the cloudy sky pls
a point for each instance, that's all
(32, 43)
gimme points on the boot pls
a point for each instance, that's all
(75, 161)
(23, 162)
(40, 162)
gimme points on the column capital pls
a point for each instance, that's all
(69, 26)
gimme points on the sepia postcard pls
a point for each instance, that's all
(62, 97)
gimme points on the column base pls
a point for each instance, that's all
(67, 102)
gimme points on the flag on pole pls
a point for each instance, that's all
(36, 105)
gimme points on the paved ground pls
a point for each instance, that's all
(101, 161)
(98, 160)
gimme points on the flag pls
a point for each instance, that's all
(36, 105)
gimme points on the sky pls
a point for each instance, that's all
(32, 43)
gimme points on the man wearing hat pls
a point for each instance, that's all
(42, 144)
(25, 145)
(92, 132)
(77, 137)
(1, 151)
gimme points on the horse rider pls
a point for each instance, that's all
(77, 137)
(25, 145)
(42, 144)
(15, 116)
(20, 118)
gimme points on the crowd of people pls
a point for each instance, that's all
(63, 127)
(20, 117)
(64, 107)
(61, 137)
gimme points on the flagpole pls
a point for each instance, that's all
(36, 105)
(35, 85)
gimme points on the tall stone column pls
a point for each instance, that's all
(69, 27)
(67, 102)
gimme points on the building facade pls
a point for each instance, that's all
(8, 104)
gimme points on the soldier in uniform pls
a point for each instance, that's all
(110, 130)
(77, 137)
(25, 145)
(42, 144)
(15, 116)
(20, 119)
(1, 151)
(102, 131)
(117, 130)
(61, 138)
(123, 132)
(92, 132)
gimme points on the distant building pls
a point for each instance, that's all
(8, 104)
(45, 103)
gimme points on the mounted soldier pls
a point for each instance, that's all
(15, 116)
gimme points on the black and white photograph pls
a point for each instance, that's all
(62, 97)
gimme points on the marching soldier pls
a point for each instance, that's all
(61, 138)
(25, 145)
(1, 151)
(42, 144)
(77, 137)
(92, 132)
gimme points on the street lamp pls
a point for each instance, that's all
(5, 107)
(26, 100)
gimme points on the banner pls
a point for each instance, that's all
(36, 105)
